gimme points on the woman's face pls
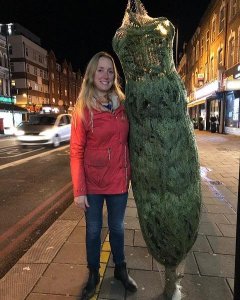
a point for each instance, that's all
(104, 76)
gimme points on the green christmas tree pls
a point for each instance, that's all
(163, 152)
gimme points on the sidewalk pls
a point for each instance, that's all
(55, 267)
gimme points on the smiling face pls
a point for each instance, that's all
(104, 76)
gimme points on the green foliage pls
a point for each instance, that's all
(163, 153)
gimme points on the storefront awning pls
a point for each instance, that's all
(12, 108)
(196, 102)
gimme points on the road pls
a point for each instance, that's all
(35, 188)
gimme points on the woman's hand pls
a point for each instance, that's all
(81, 202)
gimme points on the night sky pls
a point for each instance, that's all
(77, 29)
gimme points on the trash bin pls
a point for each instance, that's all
(213, 124)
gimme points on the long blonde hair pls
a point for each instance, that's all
(85, 98)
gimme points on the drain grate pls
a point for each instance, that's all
(215, 182)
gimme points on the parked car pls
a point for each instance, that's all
(44, 129)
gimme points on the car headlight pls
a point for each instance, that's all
(47, 133)
(19, 132)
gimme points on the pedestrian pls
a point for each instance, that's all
(100, 165)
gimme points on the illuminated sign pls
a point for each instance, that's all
(206, 90)
(6, 99)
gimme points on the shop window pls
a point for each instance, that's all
(221, 19)
(232, 110)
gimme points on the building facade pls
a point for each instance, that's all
(64, 84)
(210, 68)
(10, 114)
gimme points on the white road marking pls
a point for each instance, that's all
(24, 160)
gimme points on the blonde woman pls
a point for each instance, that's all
(100, 165)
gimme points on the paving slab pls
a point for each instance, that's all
(215, 218)
(220, 209)
(228, 229)
(138, 239)
(215, 264)
(19, 281)
(72, 253)
(202, 244)
(128, 237)
(222, 245)
(62, 279)
(48, 245)
(196, 287)
(231, 218)
(209, 229)
(110, 287)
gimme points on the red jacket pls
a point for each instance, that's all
(99, 155)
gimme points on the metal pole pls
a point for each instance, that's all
(237, 252)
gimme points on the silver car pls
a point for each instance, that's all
(44, 129)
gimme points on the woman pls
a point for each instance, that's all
(100, 166)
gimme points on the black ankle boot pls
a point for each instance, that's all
(120, 273)
(90, 288)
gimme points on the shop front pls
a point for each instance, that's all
(232, 99)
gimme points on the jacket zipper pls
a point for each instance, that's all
(109, 153)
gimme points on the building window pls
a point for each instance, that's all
(213, 29)
(26, 51)
(231, 47)
(212, 68)
(35, 71)
(193, 55)
(207, 41)
(197, 50)
(10, 49)
(27, 68)
(41, 73)
(12, 67)
(220, 57)
(34, 55)
(221, 19)
(233, 8)
(5, 60)
(239, 40)
(202, 47)
(66, 92)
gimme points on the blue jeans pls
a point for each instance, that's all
(116, 205)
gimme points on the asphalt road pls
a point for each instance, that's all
(35, 188)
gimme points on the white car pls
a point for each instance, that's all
(44, 129)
